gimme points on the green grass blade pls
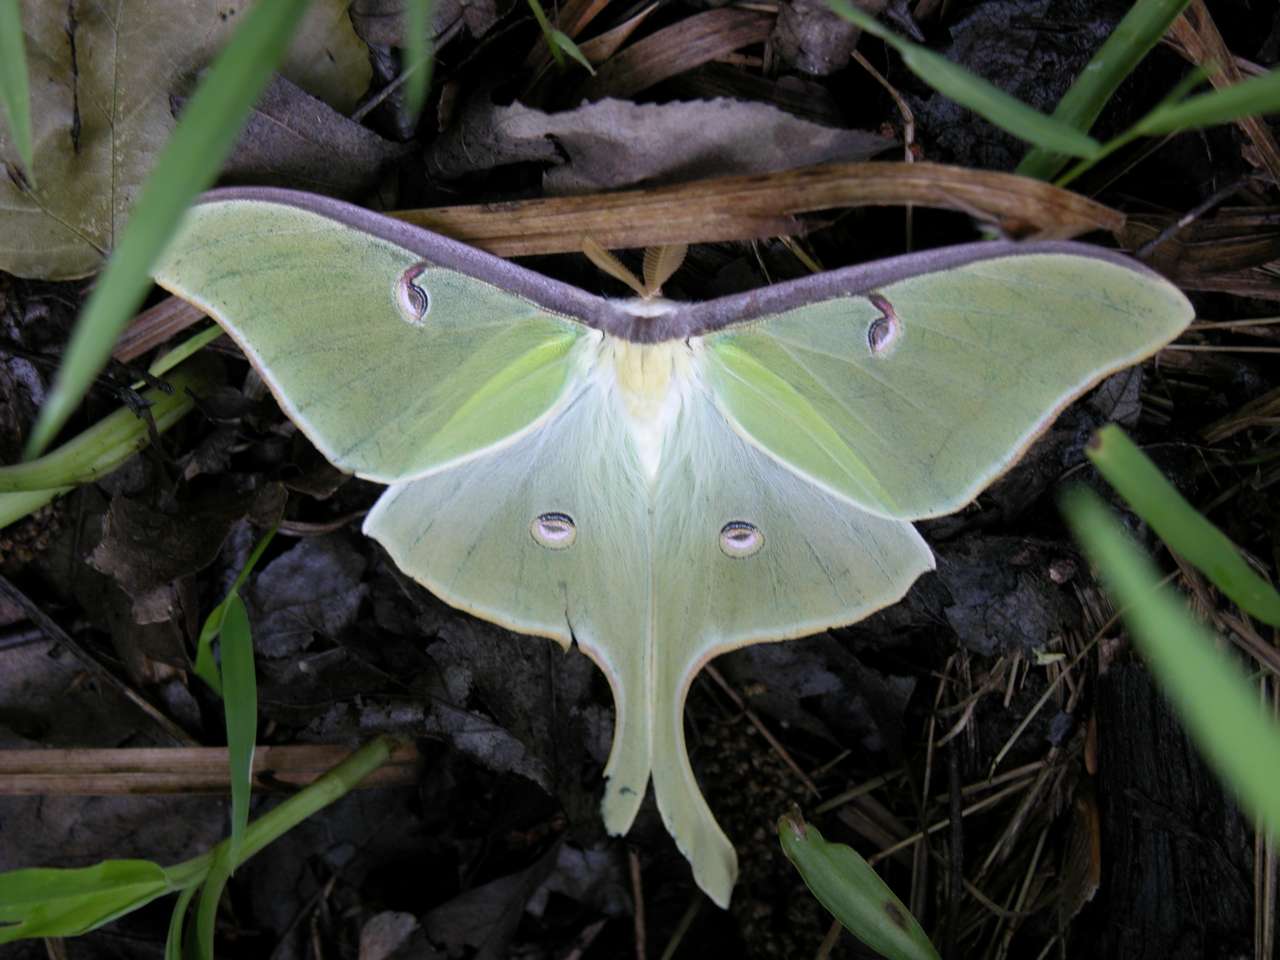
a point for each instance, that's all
(545, 26)
(240, 706)
(1253, 97)
(1184, 86)
(100, 449)
(188, 164)
(970, 90)
(14, 89)
(173, 942)
(44, 902)
(558, 38)
(188, 348)
(325, 790)
(207, 906)
(419, 57)
(1217, 705)
(278, 821)
(853, 892)
(1179, 524)
(206, 667)
(47, 902)
(1131, 40)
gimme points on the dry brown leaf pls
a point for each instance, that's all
(101, 79)
(1198, 39)
(186, 770)
(295, 140)
(601, 48)
(673, 50)
(750, 207)
(571, 19)
(811, 37)
(1211, 249)
(381, 22)
(615, 143)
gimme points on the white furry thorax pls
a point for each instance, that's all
(651, 382)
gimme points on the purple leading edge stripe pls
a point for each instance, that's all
(685, 320)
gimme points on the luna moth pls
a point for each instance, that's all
(653, 482)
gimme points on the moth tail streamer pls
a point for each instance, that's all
(631, 757)
(684, 809)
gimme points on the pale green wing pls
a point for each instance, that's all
(818, 562)
(390, 363)
(468, 535)
(910, 399)
(644, 587)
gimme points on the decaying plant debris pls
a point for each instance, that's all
(991, 742)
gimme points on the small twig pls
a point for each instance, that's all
(920, 854)
(686, 921)
(829, 941)
(764, 731)
(946, 822)
(186, 770)
(1044, 698)
(1195, 213)
(908, 135)
(955, 873)
(585, 939)
(875, 783)
(1020, 902)
(637, 894)
(299, 528)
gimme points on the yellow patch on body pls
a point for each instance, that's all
(651, 380)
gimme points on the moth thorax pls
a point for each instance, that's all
(650, 379)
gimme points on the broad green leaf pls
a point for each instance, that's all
(970, 90)
(853, 892)
(46, 902)
(188, 163)
(1179, 524)
(15, 91)
(1131, 40)
(1218, 706)
(101, 121)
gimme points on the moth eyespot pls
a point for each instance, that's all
(884, 329)
(412, 298)
(555, 531)
(739, 539)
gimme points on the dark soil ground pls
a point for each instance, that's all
(992, 742)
